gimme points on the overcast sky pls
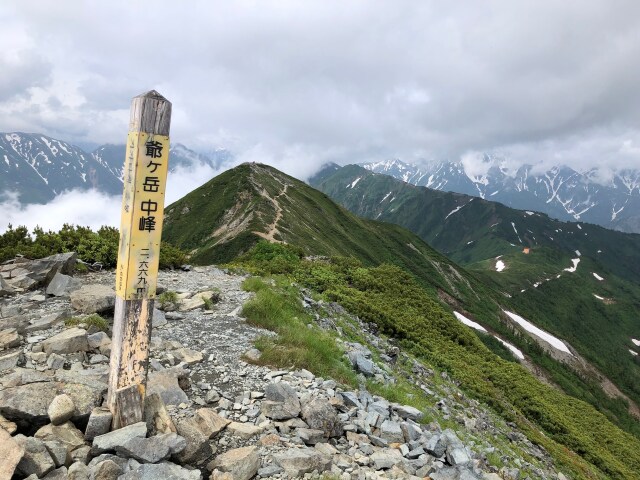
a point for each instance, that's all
(296, 84)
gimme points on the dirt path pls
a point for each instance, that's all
(273, 226)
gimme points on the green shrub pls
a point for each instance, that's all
(91, 247)
(93, 320)
(169, 300)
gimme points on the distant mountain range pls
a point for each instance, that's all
(559, 191)
(37, 167)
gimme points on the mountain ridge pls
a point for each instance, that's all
(558, 191)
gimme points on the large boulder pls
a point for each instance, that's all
(5, 289)
(27, 274)
(36, 459)
(68, 341)
(61, 409)
(298, 461)
(198, 447)
(28, 404)
(320, 415)
(9, 338)
(66, 434)
(165, 383)
(93, 298)
(152, 449)
(110, 441)
(10, 452)
(242, 463)
(62, 285)
(166, 470)
(281, 402)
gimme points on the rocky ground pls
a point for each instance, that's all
(210, 412)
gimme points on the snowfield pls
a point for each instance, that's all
(516, 351)
(598, 297)
(598, 277)
(575, 261)
(470, 323)
(635, 342)
(355, 182)
(500, 265)
(635, 354)
(531, 328)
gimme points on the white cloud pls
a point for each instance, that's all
(303, 82)
(85, 208)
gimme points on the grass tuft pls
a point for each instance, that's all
(93, 320)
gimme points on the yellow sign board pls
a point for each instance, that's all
(145, 179)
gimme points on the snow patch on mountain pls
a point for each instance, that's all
(572, 269)
(516, 351)
(531, 328)
(470, 323)
(500, 266)
(598, 277)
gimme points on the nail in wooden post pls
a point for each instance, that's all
(145, 177)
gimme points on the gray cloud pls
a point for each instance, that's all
(300, 83)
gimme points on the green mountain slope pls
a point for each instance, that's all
(234, 211)
(468, 229)
(490, 239)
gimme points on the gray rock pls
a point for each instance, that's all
(156, 415)
(436, 446)
(152, 449)
(391, 432)
(78, 471)
(446, 473)
(98, 340)
(408, 412)
(99, 423)
(351, 400)
(58, 452)
(310, 436)
(55, 361)
(410, 431)
(36, 459)
(109, 441)
(30, 402)
(381, 407)
(9, 338)
(253, 354)
(188, 355)
(457, 456)
(385, 459)
(298, 461)
(93, 298)
(209, 422)
(81, 454)
(198, 447)
(362, 364)
(270, 471)
(57, 474)
(62, 285)
(158, 319)
(244, 430)
(106, 470)
(5, 288)
(68, 341)
(281, 402)
(67, 434)
(164, 471)
(165, 384)
(11, 452)
(61, 409)
(320, 415)
(9, 361)
(241, 463)
(45, 322)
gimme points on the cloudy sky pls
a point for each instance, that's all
(299, 83)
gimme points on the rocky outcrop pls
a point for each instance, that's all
(208, 414)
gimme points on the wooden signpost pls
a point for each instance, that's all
(145, 178)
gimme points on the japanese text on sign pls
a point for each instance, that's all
(145, 177)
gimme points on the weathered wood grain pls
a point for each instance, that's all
(128, 365)
(150, 113)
